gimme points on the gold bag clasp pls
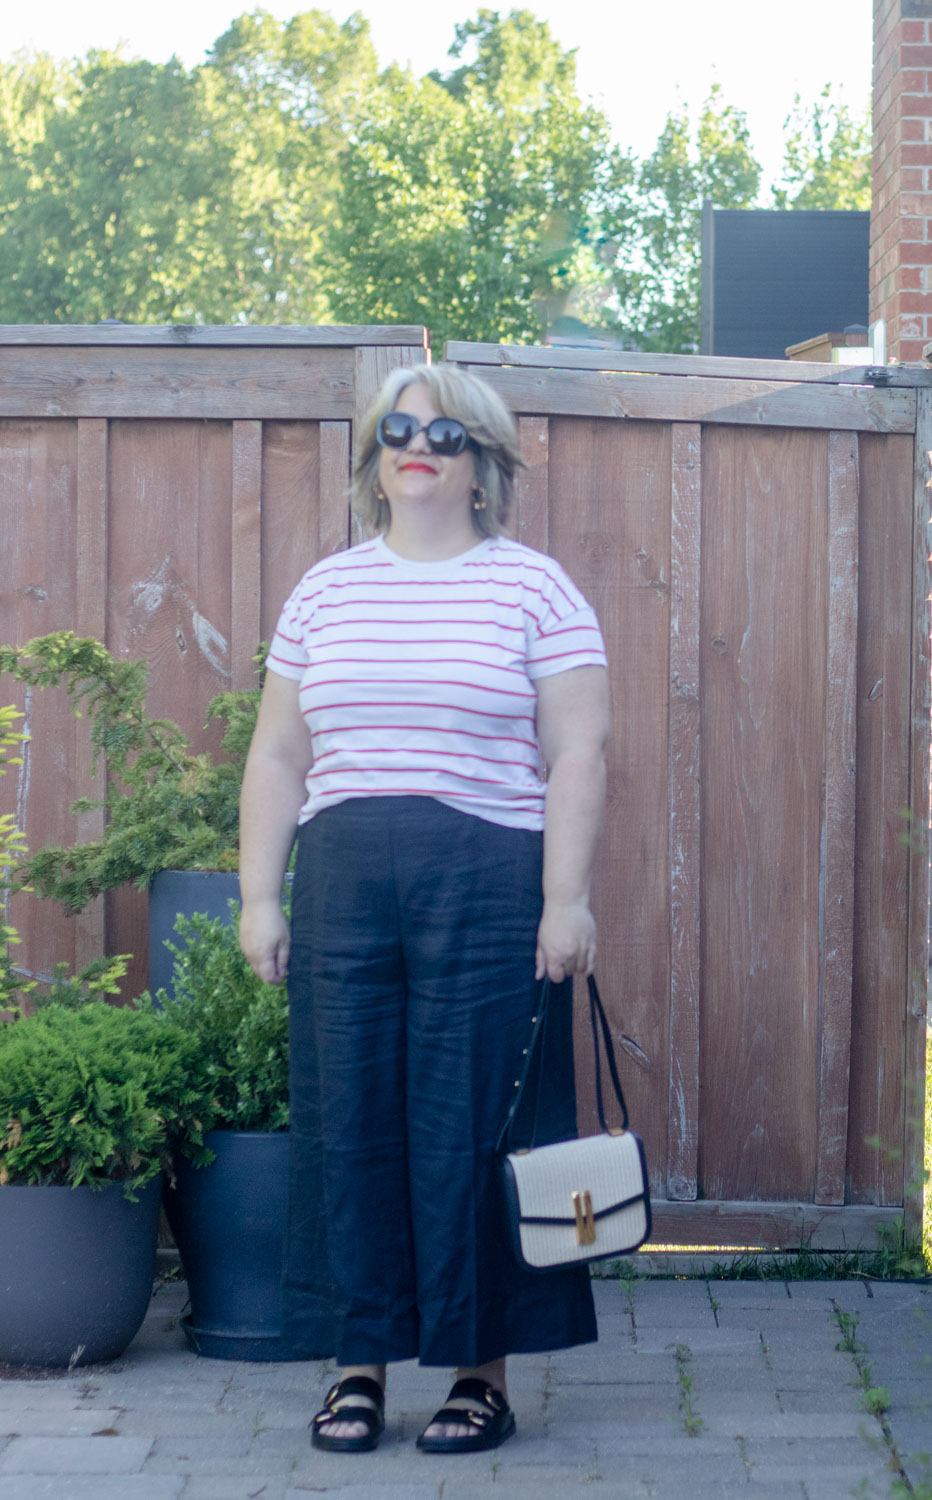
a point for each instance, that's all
(585, 1219)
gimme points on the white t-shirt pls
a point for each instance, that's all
(418, 677)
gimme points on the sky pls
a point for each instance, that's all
(637, 59)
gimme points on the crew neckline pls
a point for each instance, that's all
(443, 564)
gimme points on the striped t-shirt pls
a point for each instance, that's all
(418, 677)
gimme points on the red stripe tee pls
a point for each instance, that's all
(418, 677)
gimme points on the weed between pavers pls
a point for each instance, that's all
(692, 1422)
(875, 1399)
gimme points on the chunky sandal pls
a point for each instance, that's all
(492, 1419)
(339, 1407)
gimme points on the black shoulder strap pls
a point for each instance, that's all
(599, 1023)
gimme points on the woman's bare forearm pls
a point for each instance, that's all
(572, 822)
(272, 796)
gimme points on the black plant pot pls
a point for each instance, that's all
(183, 892)
(229, 1221)
(76, 1270)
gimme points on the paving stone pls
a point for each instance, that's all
(91, 1487)
(180, 1422)
(375, 1491)
(74, 1455)
(233, 1487)
(64, 1419)
(761, 1424)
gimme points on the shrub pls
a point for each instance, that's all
(240, 1024)
(92, 1096)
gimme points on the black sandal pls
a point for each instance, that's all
(494, 1421)
(338, 1407)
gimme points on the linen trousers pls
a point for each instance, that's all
(412, 990)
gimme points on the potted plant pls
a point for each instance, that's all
(229, 1218)
(88, 1096)
(172, 815)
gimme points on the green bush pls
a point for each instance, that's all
(167, 808)
(239, 1023)
(95, 1096)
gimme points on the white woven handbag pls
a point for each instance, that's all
(576, 1200)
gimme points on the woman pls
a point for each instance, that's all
(414, 684)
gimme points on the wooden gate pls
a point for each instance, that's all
(754, 537)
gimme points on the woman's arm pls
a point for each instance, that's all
(572, 726)
(273, 792)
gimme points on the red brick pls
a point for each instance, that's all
(915, 304)
(916, 205)
(911, 280)
(913, 81)
(912, 130)
(915, 56)
(917, 156)
(912, 254)
(914, 105)
(912, 180)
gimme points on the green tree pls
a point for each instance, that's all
(473, 200)
(827, 157)
(109, 206)
(659, 300)
(149, 193)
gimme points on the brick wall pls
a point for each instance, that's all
(901, 208)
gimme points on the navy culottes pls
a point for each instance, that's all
(411, 987)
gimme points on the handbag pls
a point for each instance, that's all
(577, 1200)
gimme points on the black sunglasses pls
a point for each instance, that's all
(444, 435)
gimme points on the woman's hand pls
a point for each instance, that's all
(565, 941)
(264, 939)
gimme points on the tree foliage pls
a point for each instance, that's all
(287, 179)
(711, 160)
(826, 161)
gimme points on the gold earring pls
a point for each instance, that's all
(379, 493)
(478, 498)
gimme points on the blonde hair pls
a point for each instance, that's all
(455, 393)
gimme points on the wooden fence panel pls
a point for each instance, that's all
(763, 926)
(609, 524)
(163, 490)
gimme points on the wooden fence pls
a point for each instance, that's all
(754, 537)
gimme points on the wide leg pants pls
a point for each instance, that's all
(411, 984)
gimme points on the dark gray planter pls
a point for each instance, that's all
(76, 1270)
(229, 1221)
(183, 892)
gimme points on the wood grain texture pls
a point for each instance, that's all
(91, 565)
(838, 840)
(609, 506)
(246, 548)
(881, 978)
(169, 599)
(808, 371)
(190, 383)
(334, 525)
(671, 399)
(770, 1226)
(918, 916)
(190, 335)
(291, 501)
(530, 520)
(763, 663)
(38, 511)
(684, 812)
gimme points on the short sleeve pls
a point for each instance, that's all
(287, 654)
(564, 631)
